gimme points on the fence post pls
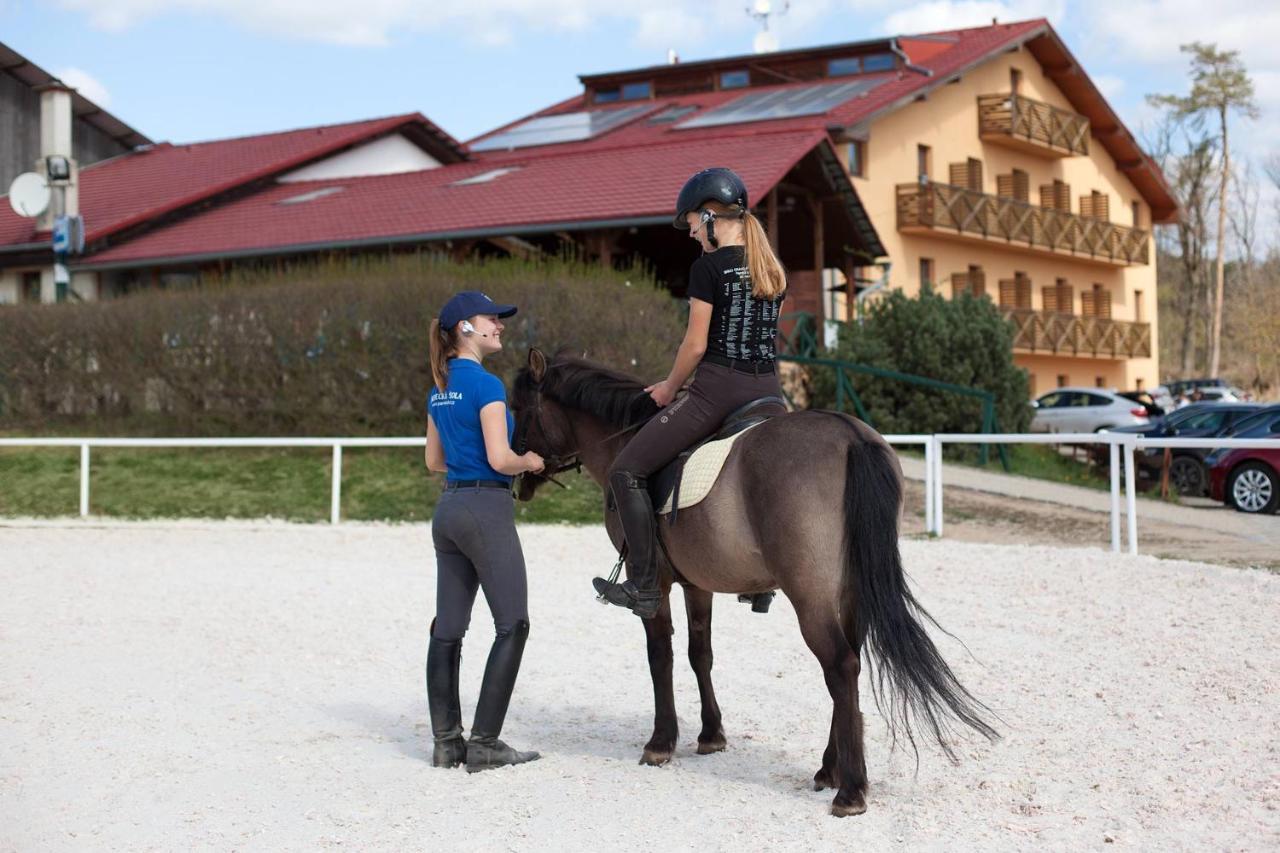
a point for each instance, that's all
(1115, 494)
(1130, 487)
(928, 486)
(988, 421)
(937, 486)
(335, 504)
(84, 480)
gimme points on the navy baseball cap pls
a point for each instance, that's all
(469, 303)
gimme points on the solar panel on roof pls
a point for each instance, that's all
(783, 103)
(568, 127)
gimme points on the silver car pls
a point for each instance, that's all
(1085, 410)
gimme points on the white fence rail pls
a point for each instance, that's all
(1122, 448)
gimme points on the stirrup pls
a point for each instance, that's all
(759, 601)
(612, 580)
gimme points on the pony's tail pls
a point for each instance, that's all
(912, 681)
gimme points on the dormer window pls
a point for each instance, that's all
(636, 91)
(735, 79)
(844, 67)
(607, 96)
(878, 62)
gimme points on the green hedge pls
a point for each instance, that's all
(963, 341)
(338, 347)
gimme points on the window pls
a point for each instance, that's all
(734, 79)
(843, 67)
(1053, 399)
(879, 62)
(923, 157)
(1015, 185)
(30, 286)
(1095, 205)
(1140, 384)
(1211, 420)
(1100, 381)
(1137, 306)
(1136, 209)
(636, 91)
(1060, 298)
(1015, 80)
(1016, 292)
(967, 174)
(1096, 303)
(607, 96)
(1062, 380)
(926, 271)
(1096, 399)
(857, 158)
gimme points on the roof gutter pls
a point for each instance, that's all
(372, 242)
(906, 60)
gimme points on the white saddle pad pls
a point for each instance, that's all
(701, 470)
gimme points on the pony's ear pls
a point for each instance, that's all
(537, 364)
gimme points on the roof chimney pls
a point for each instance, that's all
(55, 160)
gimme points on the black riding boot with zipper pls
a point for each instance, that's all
(639, 593)
(444, 658)
(484, 750)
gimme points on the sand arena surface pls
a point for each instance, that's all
(259, 686)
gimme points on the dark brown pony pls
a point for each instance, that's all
(768, 524)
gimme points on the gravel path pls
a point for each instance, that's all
(259, 686)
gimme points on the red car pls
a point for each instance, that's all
(1249, 478)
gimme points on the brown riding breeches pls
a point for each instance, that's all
(716, 392)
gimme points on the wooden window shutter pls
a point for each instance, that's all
(1101, 206)
(975, 175)
(1021, 185)
(1004, 186)
(1050, 297)
(1066, 296)
(977, 281)
(1056, 196)
(959, 284)
(1097, 302)
(1087, 306)
(1008, 293)
(1021, 291)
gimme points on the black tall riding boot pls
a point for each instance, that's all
(444, 657)
(639, 592)
(484, 750)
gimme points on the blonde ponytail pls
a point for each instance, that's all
(442, 348)
(768, 278)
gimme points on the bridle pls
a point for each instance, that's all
(559, 464)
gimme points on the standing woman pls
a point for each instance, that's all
(735, 296)
(474, 530)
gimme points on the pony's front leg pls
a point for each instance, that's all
(658, 633)
(697, 604)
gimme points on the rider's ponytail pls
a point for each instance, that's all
(443, 347)
(768, 278)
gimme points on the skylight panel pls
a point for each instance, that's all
(783, 103)
(311, 195)
(568, 127)
(486, 177)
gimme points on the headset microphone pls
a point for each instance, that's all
(468, 329)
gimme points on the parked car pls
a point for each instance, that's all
(1085, 410)
(1187, 470)
(1248, 478)
(1148, 402)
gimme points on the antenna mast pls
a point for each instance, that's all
(762, 11)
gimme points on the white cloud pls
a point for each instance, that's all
(1109, 85)
(86, 84)
(938, 15)
(656, 23)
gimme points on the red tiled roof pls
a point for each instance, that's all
(582, 186)
(149, 183)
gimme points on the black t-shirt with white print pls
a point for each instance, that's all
(742, 327)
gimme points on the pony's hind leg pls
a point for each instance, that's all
(698, 606)
(658, 631)
(840, 667)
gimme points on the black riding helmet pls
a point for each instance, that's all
(718, 184)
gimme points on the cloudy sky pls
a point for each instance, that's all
(187, 70)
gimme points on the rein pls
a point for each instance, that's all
(571, 461)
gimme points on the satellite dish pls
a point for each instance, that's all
(765, 42)
(29, 194)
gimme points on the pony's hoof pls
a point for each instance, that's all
(855, 806)
(655, 757)
(706, 747)
(823, 779)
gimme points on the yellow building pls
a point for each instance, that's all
(1014, 178)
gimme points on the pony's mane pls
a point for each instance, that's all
(612, 396)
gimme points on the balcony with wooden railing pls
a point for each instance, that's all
(1032, 126)
(952, 211)
(1066, 334)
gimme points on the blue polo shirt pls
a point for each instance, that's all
(456, 414)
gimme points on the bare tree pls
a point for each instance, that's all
(1219, 84)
